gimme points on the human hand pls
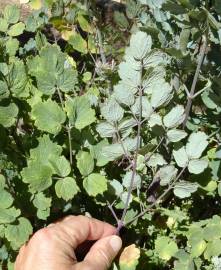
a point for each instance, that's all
(52, 248)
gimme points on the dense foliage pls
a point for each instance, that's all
(114, 112)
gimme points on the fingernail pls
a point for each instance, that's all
(115, 243)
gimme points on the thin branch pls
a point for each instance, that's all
(130, 189)
(101, 48)
(158, 199)
(155, 149)
(69, 127)
(113, 212)
(122, 144)
(193, 87)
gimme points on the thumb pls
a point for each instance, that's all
(102, 253)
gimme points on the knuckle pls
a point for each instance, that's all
(42, 235)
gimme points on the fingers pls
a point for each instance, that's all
(101, 254)
(77, 229)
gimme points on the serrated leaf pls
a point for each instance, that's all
(140, 45)
(155, 160)
(126, 182)
(11, 14)
(16, 29)
(61, 166)
(38, 176)
(9, 215)
(48, 116)
(106, 130)
(66, 188)
(66, 80)
(78, 43)
(196, 144)
(43, 204)
(165, 247)
(146, 107)
(8, 114)
(181, 157)
(129, 258)
(175, 117)
(18, 234)
(80, 112)
(95, 184)
(112, 111)
(96, 152)
(175, 135)
(167, 174)
(197, 166)
(184, 189)
(115, 150)
(155, 120)
(3, 25)
(6, 199)
(130, 76)
(161, 95)
(123, 95)
(12, 46)
(45, 151)
(85, 163)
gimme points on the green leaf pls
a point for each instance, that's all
(12, 46)
(66, 188)
(38, 176)
(161, 95)
(78, 43)
(175, 135)
(95, 184)
(140, 45)
(96, 152)
(79, 112)
(18, 80)
(155, 160)
(16, 29)
(11, 14)
(45, 151)
(48, 116)
(61, 166)
(165, 247)
(184, 189)
(126, 182)
(9, 215)
(218, 6)
(181, 157)
(18, 234)
(3, 25)
(146, 107)
(155, 120)
(197, 166)
(66, 81)
(175, 117)
(121, 20)
(198, 245)
(197, 143)
(106, 130)
(41, 201)
(8, 115)
(167, 174)
(112, 111)
(6, 199)
(123, 95)
(85, 163)
(115, 150)
(213, 249)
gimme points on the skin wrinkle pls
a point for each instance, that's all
(52, 248)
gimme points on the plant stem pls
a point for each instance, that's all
(193, 87)
(134, 165)
(101, 49)
(158, 199)
(68, 128)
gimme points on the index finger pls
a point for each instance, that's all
(78, 229)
